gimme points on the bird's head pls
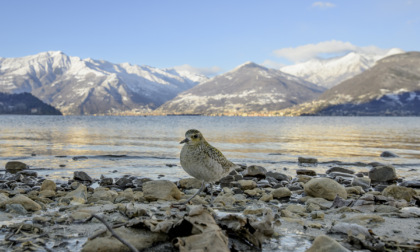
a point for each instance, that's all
(192, 137)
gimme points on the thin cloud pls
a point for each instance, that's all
(207, 71)
(323, 5)
(332, 47)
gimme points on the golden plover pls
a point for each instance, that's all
(203, 161)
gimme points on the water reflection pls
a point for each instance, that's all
(154, 141)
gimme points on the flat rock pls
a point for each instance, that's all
(26, 202)
(324, 188)
(307, 160)
(161, 190)
(140, 239)
(388, 154)
(306, 172)
(339, 169)
(326, 244)
(411, 183)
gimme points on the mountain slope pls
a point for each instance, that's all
(391, 87)
(249, 88)
(87, 86)
(24, 104)
(330, 72)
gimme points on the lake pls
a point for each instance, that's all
(149, 146)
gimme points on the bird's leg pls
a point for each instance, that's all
(211, 192)
(195, 194)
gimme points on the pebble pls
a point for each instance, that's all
(241, 217)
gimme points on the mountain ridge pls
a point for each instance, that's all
(248, 88)
(331, 72)
(88, 86)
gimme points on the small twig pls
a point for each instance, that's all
(132, 248)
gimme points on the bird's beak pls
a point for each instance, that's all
(184, 141)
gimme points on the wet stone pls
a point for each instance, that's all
(382, 173)
(339, 169)
(82, 176)
(305, 160)
(255, 171)
(305, 172)
(278, 176)
(15, 166)
(388, 154)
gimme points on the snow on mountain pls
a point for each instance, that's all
(330, 72)
(88, 86)
(390, 87)
(247, 89)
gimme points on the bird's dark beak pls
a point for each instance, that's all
(184, 141)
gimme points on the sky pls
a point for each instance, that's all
(207, 37)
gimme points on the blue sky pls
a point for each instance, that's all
(207, 36)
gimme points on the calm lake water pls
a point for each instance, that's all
(149, 146)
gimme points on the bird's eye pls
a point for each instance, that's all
(195, 136)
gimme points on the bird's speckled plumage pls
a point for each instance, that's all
(201, 160)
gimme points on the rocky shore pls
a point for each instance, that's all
(250, 210)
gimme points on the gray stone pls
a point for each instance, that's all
(247, 184)
(81, 175)
(124, 182)
(399, 192)
(339, 169)
(106, 181)
(255, 171)
(303, 160)
(388, 154)
(16, 208)
(278, 176)
(363, 182)
(78, 196)
(382, 173)
(305, 172)
(15, 166)
(189, 183)
(161, 190)
(326, 244)
(26, 202)
(48, 185)
(324, 188)
(102, 193)
(411, 183)
(282, 192)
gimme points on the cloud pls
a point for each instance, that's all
(323, 5)
(272, 64)
(207, 71)
(323, 50)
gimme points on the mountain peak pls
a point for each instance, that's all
(248, 64)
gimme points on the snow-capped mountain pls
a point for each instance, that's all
(249, 88)
(390, 87)
(330, 72)
(87, 86)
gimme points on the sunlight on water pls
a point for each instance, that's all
(149, 146)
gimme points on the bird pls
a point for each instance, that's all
(203, 161)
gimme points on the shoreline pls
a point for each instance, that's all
(257, 210)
